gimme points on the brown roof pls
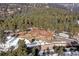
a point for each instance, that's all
(22, 33)
(41, 33)
(36, 33)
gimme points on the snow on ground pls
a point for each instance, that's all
(69, 53)
(37, 43)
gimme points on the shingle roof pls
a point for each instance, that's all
(41, 32)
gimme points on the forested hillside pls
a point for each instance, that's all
(48, 18)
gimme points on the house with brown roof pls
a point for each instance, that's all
(40, 34)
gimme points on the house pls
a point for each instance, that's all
(40, 34)
(35, 33)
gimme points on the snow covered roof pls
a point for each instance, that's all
(15, 42)
(64, 35)
(12, 42)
